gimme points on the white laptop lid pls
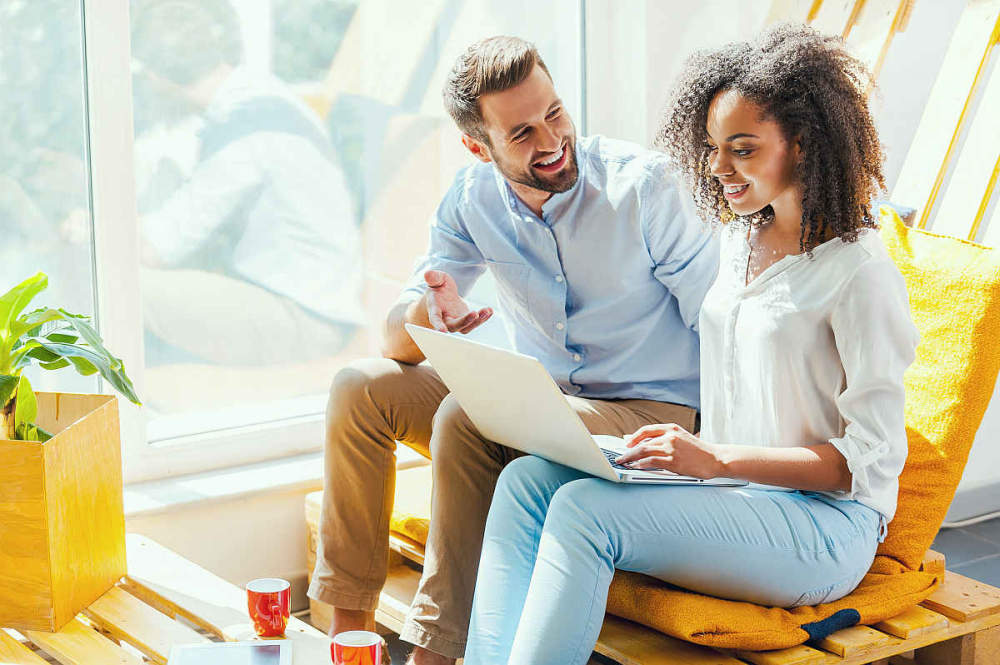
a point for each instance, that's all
(545, 424)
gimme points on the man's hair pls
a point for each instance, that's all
(491, 65)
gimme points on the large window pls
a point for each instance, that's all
(44, 195)
(244, 238)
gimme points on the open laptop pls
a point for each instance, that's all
(512, 400)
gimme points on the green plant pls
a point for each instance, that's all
(52, 339)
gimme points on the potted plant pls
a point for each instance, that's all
(52, 339)
(62, 525)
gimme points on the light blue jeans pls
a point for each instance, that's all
(555, 536)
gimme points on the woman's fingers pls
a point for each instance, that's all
(656, 446)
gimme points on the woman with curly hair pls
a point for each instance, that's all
(805, 336)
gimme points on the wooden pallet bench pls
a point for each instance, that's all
(958, 625)
(165, 600)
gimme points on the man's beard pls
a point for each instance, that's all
(559, 182)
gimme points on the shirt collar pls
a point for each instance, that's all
(554, 202)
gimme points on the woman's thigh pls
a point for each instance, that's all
(768, 547)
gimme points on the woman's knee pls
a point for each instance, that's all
(524, 473)
(578, 509)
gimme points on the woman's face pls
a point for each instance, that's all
(750, 156)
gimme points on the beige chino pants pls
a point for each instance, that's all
(375, 402)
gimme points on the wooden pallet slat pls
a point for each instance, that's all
(914, 621)
(963, 598)
(799, 655)
(856, 640)
(872, 34)
(13, 652)
(629, 643)
(128, 619)
(837, 17)
(79, 644)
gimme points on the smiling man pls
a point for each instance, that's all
(601, 269)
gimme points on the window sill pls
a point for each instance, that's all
(287, 474)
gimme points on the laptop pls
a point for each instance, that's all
(512, 399)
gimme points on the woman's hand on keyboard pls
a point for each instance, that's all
(673, 448)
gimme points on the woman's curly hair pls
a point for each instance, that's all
(817, 93)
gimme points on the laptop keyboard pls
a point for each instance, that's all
(612, 456)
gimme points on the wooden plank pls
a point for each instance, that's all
(800, 655)
(982, 648)
(836, 17)
(128, 619)
(793, 11)
(856, 640)
(961, 210)
(13, 652)
(989, 228)
(397, 594)
(165, 579)
(963, 598)
(632, 644)
(79, 644)
(940, 126)
(933, 562)
(914, 621)
(874, 30)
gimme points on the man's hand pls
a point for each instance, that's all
(446, 310)
(673, 448)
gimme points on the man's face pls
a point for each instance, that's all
(533, 139)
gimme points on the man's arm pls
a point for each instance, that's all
(396, 342)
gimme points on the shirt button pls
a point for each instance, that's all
(577, 357)
(559, 278)
(560, 325)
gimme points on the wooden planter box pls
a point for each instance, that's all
(62, 525)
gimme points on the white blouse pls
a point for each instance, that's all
(812, 351)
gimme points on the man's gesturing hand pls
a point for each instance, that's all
(673, 448)
(446, 311)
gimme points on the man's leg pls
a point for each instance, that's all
(466, 468)
(373, 402)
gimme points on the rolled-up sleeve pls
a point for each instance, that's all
(450, 248)
(683, 249)
(876, 340)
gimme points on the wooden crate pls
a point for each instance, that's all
(62, 526)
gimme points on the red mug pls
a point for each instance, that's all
(356, 647)
(268, 601)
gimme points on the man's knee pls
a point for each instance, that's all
(360, 380)
(451, 427)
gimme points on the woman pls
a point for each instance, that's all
(805, 337)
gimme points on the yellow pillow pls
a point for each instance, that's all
(954, 289)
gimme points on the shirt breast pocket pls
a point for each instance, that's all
(513, 281)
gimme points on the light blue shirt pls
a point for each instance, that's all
(604, 288)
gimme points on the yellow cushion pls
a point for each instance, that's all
(954, 289)
(411, 512)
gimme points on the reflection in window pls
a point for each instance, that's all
(288, 155)
(44, 202)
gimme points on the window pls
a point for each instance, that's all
(253, 222)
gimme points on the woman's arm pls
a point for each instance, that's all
(818, 467)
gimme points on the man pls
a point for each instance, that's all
(601, 272)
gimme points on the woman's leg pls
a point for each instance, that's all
(768, 547)
(513, 529)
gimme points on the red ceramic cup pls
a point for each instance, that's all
(356, 647)
(268, 601)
